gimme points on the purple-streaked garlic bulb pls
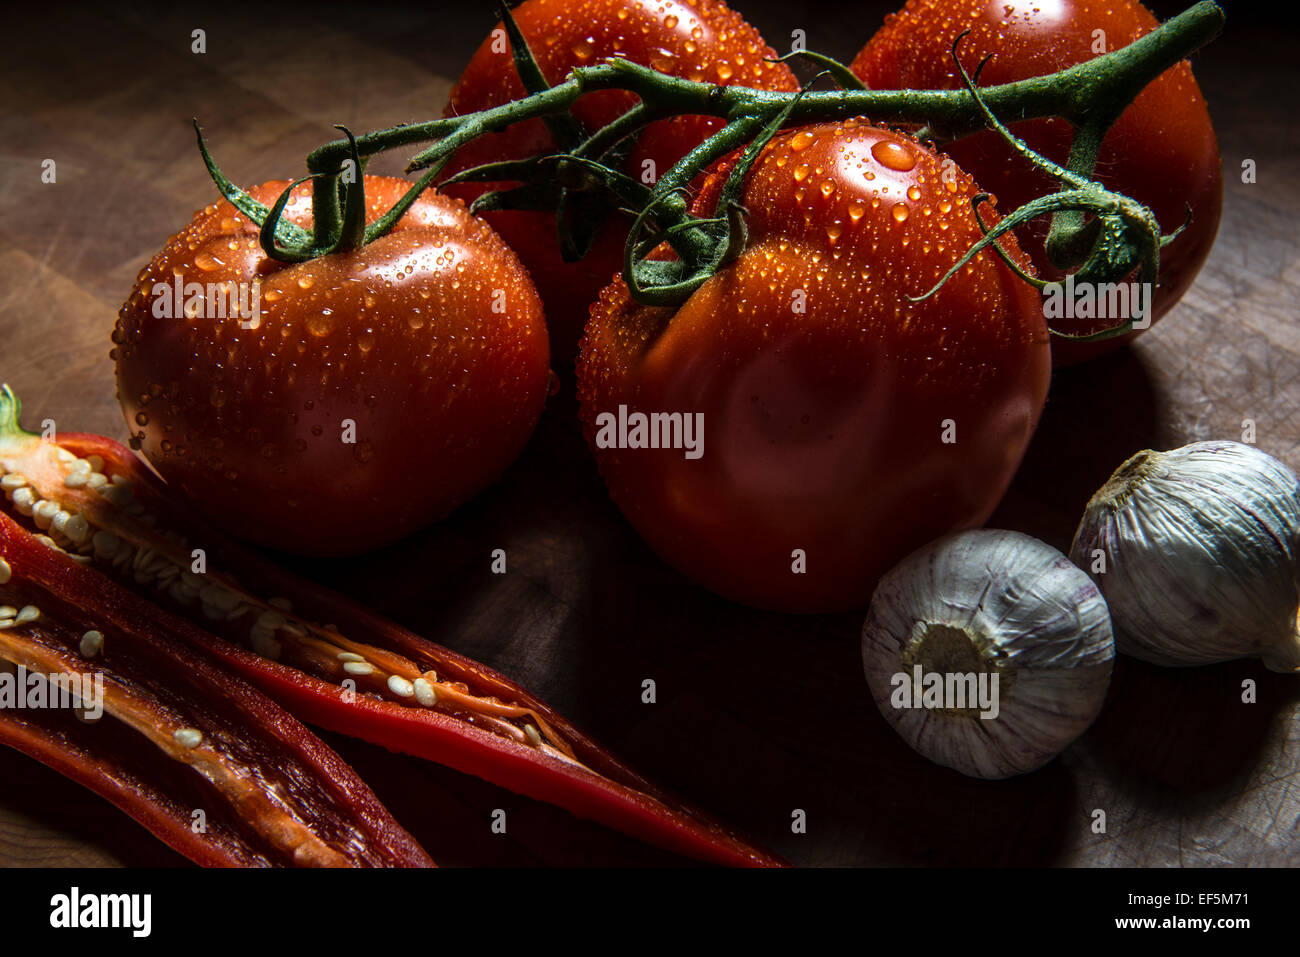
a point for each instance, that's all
(1198, 554)
(988, 652)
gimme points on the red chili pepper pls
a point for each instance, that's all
(201, 758)
(325, 659)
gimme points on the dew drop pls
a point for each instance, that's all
(801, 172)
(207, 262)
(856, 211)
(900, 213)
(321, 324)
(893, 156)
(801, 141)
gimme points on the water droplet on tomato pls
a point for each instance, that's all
(724, 72)
(670, 21)
(801, 172)
(583, 49)
(913, 193)
(893, 156)
(321, 324)
(801, 141)
(141, 419)
(207, 262)
(305, 282)
(900, 213)
(856, 210)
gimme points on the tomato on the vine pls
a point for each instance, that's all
(1162, 151)
(334, 405)
(697, 40)
(843, 425)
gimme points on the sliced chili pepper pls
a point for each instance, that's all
(327, 660)
(200, 757)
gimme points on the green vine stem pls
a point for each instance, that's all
(1091, 96)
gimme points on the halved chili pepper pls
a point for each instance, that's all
(197, 755)
(321, 656)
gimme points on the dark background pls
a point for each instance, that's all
(758, 714)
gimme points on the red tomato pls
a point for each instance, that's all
(1162, 151)
(843, 426)
(379, 389)
(695, 39)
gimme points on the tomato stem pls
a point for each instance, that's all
(1089, 95)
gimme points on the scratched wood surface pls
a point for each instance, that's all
(758, 714)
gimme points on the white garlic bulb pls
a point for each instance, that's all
(1198, 554)
(1004, 616)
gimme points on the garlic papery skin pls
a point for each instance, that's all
(990, 604)
(1196, 552)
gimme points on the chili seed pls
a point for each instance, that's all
(91, 643)
(424, 693)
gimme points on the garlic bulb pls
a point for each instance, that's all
(1198, 554)
(1008, 619)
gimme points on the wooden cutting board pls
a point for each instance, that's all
(757, 714)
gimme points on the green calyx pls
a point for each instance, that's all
(1103, 235)
(1121, 238)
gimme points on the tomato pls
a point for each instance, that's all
(378, 389)
(1162, 151)
(695, 39)
(843, 425)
